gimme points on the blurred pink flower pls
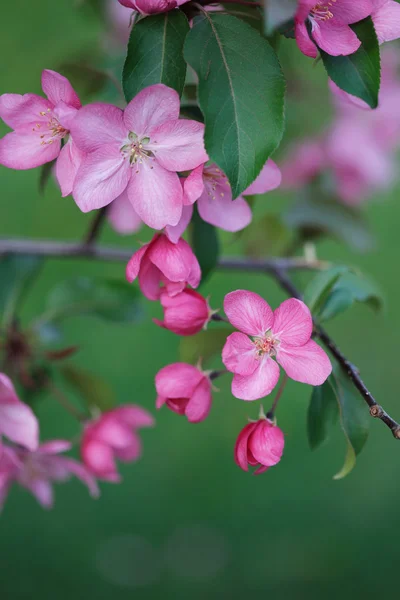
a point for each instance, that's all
(386, 18)
(284, 333)
(120, 22)
(187, 313)
(36, 471)
(151, 7)
(17, 421)
(303, 162)
(329, 21)
(259, 445)
(138, 150)
(122, 216)
(162, 262)
(185, 389)
(39, 126)
(113, 436)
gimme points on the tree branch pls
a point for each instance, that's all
(95, 226)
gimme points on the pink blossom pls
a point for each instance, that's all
(139, 150)
(40, 125)
(284, 334)
(36, 471)
(187, 313)
(304, 162)
(114, 436)
(162, 262)
(386, 18)
(329, 22)
(209, 186)
(185, 389)
(259, 444)
(122, 216)
(17, 421)
(151, 7)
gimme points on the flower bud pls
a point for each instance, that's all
(259, 444)
(186, 313)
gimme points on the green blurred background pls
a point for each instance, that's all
(186, 522)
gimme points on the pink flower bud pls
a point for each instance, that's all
(17, 421)
(162, 262)
(151, 7)
(113, 435)
(186, 313)
(260, 445)
(185, 389)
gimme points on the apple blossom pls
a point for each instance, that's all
(329, 22)
(113, 436)
(185, 389)
(259, 444)
(386, 19)
(17, 421)
(40, 125)
(284, 334)
(163, 262)
(138, 150)
(187, 313)
(151, 7)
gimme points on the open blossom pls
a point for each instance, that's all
(17, 421)
(329, 22)
(40, 125)
(114, 435)
(386, 18)
(36, 471)
(186, 390)
(210, 187)
(162, 262)
(187, 313)
(138, 150)
(284, 334)
(151, 7)
(259, 445)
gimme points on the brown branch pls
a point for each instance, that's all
(95, 226)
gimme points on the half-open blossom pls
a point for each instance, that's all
(122, 216)
(283, 334)
(114, 435)
(140, 150)
(386, 18)
(36, 471)
(163, 263)
(187, 313)
(40, 125)
(185, 389)
(17, 421)
(260, 445)
(328, 21)
(151, 7)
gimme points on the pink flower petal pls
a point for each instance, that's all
(336, 40)
(199, 405)
(55, 447)
(303, 40)
(132, 452)
(135, 262)
(24, 111)
(112, 432)
(99, 459)
(156, 195)
(150, 278)
(179, 145)
(83, 474)
(258, 384)
(175, 232)
(97, 125)
(348, 11)
(240, 452)
(122, 215)
(223, 212)
(269, 179)
(150, 108)
(239, 354)
(178, 380)
(65, 114)
(175, 261)
(134, 416)
(101, 178)
(266, 443)
(25, 151)
(67, 165)
(307, 364)
(248, 312)
(292, 323)
(193, 185)
(43, 492)
(17, 420)
(387, 21)
(57, 88)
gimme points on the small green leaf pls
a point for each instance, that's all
(204, 345)
(349, 289)
(16, 274)
(205, 244)
(96, 392)
(323, 413)
(241, 94)
(155, 53)
(111, 300)
(319, 288)
(354, 418)
(278, 12)
(358, 73)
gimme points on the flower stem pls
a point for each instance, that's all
(271, 413)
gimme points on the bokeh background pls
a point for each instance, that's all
(186, 522)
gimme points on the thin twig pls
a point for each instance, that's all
(65, 403)
(95, 227)
(271, 413)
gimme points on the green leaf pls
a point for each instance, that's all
(96, 392)
(358, 73)
(349, 289)
(354, 418)
(155, 53)
(315, 213)
(278, 12)
(323, 413)
(319, 288)
(111, 300)
(248, 14)
(204, 345)
(205, 245)
(16, 274)
(241, 94)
